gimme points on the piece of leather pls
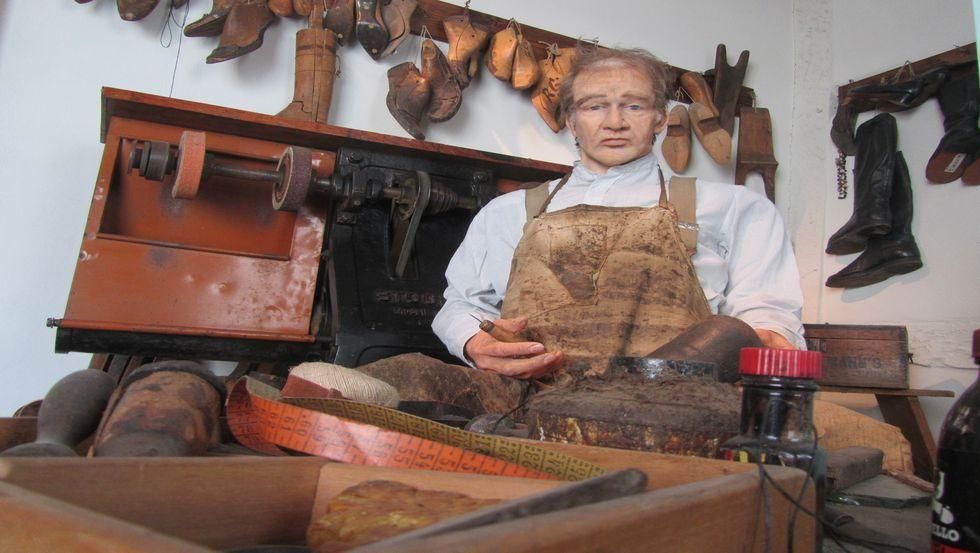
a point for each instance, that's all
(446, 95)
(408, 97)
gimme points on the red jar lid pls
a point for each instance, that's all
(785, 363)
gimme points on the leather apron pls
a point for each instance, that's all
(599, 282)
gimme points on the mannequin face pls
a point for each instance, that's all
(613, 116)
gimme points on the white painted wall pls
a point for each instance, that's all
(939, 303)
(55, 56)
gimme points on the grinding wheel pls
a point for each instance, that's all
(295, 174)
(190, 165)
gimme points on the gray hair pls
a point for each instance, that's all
(589, 57)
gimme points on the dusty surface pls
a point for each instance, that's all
(672, 414)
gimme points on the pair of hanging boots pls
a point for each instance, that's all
(881, 224)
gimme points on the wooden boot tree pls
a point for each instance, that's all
(755, 149)
(728, 85)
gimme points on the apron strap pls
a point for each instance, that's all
(536, 199)
(683, 197)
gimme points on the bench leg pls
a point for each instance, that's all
(905, 412)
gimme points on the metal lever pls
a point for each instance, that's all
(414, 209)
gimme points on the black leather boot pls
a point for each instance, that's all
(958, 100)
(874, 166)
(896, 253)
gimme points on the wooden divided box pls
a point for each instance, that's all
(221, 503)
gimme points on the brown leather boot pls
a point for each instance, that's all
(446, 94)
(466, 40)
(316, 58)
(500, 54)
(134, 10)
(370, 27)
(715, 140)
(282, 8)
(408, 97)
(526, 70)
(340, 19)
(545, 95)
(397, 17)
(304, 8)
(211, 23)
(676, 147)
(243, 30)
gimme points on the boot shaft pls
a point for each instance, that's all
(958, 99)
(874, 163)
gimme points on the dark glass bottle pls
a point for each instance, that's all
(955, 506)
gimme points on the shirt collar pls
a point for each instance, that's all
(646, 165)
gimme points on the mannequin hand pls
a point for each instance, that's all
(772, 339)
(514, 359)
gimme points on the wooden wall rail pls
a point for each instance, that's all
(959, 56)
(431, 13)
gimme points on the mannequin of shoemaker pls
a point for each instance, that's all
(602, 257)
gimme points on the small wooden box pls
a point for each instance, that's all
(208, 504)
(861, 355)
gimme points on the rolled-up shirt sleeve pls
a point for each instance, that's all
(477, 275)
(763, 280)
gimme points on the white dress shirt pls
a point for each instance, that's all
(744, 258)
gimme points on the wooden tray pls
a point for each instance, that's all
(207, 504)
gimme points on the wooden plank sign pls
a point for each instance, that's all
(861, 355)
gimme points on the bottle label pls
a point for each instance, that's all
(955, 513)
